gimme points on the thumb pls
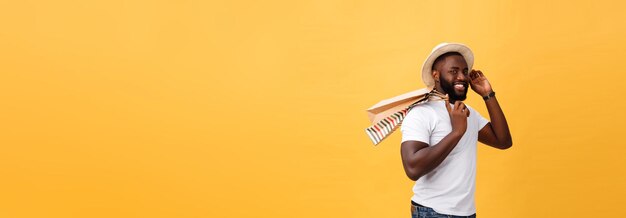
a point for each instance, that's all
(448, 104)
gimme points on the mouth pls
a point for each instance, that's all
(460, 86)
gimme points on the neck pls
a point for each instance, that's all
(440, 90)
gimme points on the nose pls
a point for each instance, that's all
(462, 76)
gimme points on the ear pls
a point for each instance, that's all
(436, 75)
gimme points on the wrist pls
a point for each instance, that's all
(457, 133)
(489, 95)
(483, 92)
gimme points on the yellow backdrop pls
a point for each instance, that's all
(257, 108)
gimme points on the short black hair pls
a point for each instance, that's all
(443, 56)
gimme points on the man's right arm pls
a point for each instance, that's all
(419, 159)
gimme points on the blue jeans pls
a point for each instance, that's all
(427, 212)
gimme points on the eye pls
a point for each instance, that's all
(465, 72)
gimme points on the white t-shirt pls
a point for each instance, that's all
(449, 188)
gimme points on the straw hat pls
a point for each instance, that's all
(440, 49)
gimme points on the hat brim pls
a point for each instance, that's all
(466, 52)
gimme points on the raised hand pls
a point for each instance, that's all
(458, 116)
(479, 83)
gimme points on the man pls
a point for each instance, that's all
(439, 137)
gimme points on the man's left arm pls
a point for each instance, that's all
(496, 133)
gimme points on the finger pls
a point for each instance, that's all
(477, 76)
(480, 74)
(474, 79)
(448, 104)
(466, 110)
(460, 105)
(457, 105)
(472, 74)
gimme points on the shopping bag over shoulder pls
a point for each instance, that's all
(387, 115)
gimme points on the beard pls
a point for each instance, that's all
(452, 93)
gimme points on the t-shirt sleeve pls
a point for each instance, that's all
(415, 126)
(482, 121)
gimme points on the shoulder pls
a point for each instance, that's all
(472, 110)
(474, 114)
(421, 109)
(426, 113)
(470, 107)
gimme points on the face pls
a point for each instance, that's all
(453, 77)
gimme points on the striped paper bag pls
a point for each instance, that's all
(387, 115)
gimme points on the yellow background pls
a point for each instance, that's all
(257, 108)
